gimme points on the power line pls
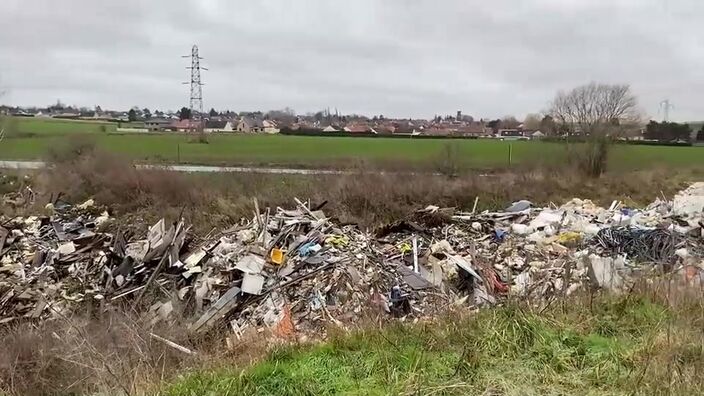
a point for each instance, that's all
(666, 106)
(196, 100)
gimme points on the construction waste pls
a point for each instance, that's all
(296, 271)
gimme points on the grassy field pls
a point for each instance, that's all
(34, 137)
(615, 346)
(47, 127)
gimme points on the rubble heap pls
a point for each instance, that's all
(298, 269)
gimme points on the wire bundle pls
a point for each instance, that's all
(656, 245)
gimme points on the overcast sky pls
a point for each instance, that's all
(401, 58)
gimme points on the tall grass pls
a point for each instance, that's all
(640, 343)
(80, 171)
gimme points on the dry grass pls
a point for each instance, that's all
(367, 197)
(81, 355)
(108, 351)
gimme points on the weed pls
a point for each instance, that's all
(594, 155)
(84, 354)
(449, 162)
(199, 137)
(74, 148)
(512, 350)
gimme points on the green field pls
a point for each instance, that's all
(309, 152)
(615, 347)
(42, 127)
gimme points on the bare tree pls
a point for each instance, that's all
(600, 112)
(509, 122)
(532, 122)
(595, 109)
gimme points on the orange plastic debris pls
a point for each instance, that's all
(285, 328)
(277, 256)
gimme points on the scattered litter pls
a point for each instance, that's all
(66, 248)
(519, 206)
(172, 344)
(277, 256)
(297, 271)
(252, 284)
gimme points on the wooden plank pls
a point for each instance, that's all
(217, 311)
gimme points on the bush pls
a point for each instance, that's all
(591, 156)
(71, 150)
(200, 138)
(448, 162)
(595, 159)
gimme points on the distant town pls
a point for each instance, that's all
(287, 121)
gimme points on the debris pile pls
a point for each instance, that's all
(298, 270)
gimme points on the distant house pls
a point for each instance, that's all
(359, 128)
(99, 115)
(186, 125)
(270, 126)
(474, 129)
(405, 128)
(218, 126)
(330, 128)
(157, 124)
(439, 130)
(20, 113)
(510, 134)
(384, 129)
(65, 113)
(250, 125)
(537, 135)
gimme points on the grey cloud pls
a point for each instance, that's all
(394, 57)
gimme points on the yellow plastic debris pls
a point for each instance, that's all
(277, 256)
(405, 247)
(337, 240)
(569, 238)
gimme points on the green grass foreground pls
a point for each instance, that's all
(628, 345)
(30, 139)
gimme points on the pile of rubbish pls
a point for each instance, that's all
(297, 271)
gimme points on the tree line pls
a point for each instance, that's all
(669, 131)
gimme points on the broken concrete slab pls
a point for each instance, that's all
(604, 272)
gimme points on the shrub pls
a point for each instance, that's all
(74, 148)
(449, 160)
